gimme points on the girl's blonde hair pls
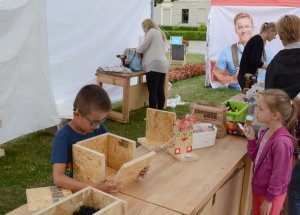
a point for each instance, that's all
(289, 28)
(148, 24)
(268, 26)
(279, 101)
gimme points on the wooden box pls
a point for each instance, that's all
(107, 156)
(210, 112)
(108, 205)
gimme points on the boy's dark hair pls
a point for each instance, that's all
(92, 97)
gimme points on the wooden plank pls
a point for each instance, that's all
(246, 198)
(88, 165)
(194, 183)
(159, 128)
(138, 96)
(233, 189)
(207, 209)
(39, 198)
(22, 210)
(118, 74)
(118, 81)
(181, 157)
(130, 171)
(125, 107)
(108, 204)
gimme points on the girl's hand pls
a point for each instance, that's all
(249, 132)
(265, 207)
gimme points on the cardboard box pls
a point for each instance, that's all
(210, 112)
(107, 204)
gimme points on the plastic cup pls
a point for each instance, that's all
(249, 120)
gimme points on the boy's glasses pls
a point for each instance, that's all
(93, 123)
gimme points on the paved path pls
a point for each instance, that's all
(197, 47)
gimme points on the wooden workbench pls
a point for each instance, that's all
(134, 96)
(219, 178)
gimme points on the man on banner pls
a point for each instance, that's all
(226, 68)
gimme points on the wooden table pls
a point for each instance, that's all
(189, 187)
(134, 97)
(134, 207)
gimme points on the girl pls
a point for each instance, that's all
(155, 61)
(272, 152)
(253, 55)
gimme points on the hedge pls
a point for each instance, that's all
(179, 28)
(189, 35)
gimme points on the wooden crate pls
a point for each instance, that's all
(108, 204)
(107, 156)
(41, 197)
(159, 129)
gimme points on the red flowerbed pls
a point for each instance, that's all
(184, 72)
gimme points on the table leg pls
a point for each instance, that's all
(125, 109)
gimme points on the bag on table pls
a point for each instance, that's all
(134, 59)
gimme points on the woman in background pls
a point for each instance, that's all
(155, 62)
(253, 56)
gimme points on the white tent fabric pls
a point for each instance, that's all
(84, 35)
(26, 99)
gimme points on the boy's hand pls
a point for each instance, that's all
(107, 186)
(265, 207)
(144, 171)
(249, 132)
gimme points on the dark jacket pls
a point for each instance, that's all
(251, 59)
(284, 72)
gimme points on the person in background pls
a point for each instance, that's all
(91, 107)
(284, 73)
(155, 62)
(272, 152)
(254, 56)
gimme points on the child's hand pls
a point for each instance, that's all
(144, 171)
(108, 186)
(249, 132)
(265, 207)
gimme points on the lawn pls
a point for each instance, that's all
(27, 160)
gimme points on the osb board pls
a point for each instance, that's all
(109, 205)
(2, 152)
(120, 150)
(138, 96)
(39, 198)
(88, 165)
(159, 127)
(98, 143)
(181, 157)
(130, 171)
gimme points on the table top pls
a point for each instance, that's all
(119, 74)
(185, 187)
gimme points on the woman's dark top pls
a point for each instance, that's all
(251, 59)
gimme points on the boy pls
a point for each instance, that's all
(91, 107)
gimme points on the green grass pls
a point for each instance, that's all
(27, 160)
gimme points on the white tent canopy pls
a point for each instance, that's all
(49, 50)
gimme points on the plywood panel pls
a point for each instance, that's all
(138, 96)
(130, 171)
(227, 199)
(120, 150)
(88, 165)
(39, 198)
(159, 128)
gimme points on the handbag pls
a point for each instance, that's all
(133, 59)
